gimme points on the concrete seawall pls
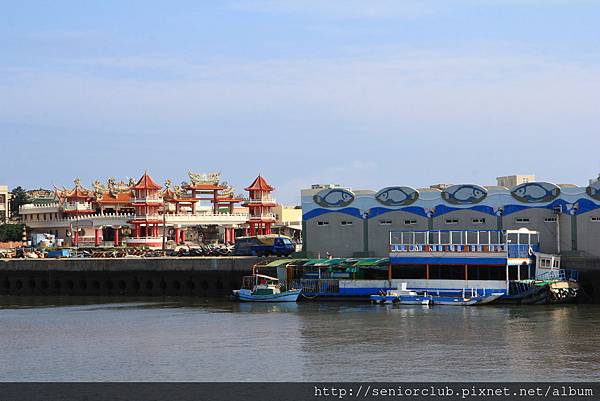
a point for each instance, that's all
(210, 277)
(589, 274)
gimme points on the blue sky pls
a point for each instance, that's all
(361, 93)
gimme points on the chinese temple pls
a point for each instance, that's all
(140, 213)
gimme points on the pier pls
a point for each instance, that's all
(161, 276)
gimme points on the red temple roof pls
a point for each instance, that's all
(146, 182)
(78, 193)
(122, 197)
(259, 184)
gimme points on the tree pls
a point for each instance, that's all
(18, 197)
(11, 232)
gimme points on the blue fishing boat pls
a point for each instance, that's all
(266, 289)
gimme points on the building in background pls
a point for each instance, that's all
(510, 181)
(288, 221)
(4, 204)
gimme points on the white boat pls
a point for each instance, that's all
(267, 289)
(402, 296)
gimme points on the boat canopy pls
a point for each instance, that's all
(281, 262)
(370, 262)
(267, 277)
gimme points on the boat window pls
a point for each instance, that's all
(346, 223)
(451, 221)
(385, 222)
(595, 219)
(410, 222)
(478, 221)
(522, 219)
(322, 223)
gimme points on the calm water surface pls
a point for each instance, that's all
(175, 339)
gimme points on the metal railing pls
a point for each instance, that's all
(559, 275)
(317, 286)
(493, 248)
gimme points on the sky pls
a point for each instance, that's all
(366, 94)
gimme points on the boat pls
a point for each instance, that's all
(401, 295)
(465, 301)
(266, 289)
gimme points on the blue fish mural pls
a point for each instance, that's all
(397, 196)
(534, 192)
(593, 190)
(464, 194)
(336, 197)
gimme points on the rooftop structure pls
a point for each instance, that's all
(510, 181)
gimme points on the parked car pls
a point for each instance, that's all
(264, 245)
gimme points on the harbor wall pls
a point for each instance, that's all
(589, 274)
(209, 277)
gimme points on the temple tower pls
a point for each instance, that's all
(260, 205)
(147, 203)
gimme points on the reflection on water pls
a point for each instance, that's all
(192, 339)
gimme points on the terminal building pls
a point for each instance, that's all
(342, 222)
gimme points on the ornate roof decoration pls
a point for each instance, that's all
(204, 178)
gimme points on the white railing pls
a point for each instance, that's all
(147, 200)
(99, 216)
(263, 199)
(263, 216)
(29, 206)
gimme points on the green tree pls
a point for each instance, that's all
(11, 232)
(18, 197)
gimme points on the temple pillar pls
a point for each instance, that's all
(75, 237)
(97, 234)
(137, 230)
(177, 235)
(116, 231)
(182, 236)
(232, 239)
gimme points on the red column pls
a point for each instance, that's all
(182, 236)
(226, 239)
(137, 231)
(97, 237)
(116, 230)
(177, 235)
(75, 237)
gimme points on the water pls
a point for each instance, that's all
(182, 339)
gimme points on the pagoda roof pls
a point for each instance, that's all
(76, 193)
(259, 184)
(121, 197)
(146, 182)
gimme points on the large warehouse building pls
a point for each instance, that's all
(342, 222)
